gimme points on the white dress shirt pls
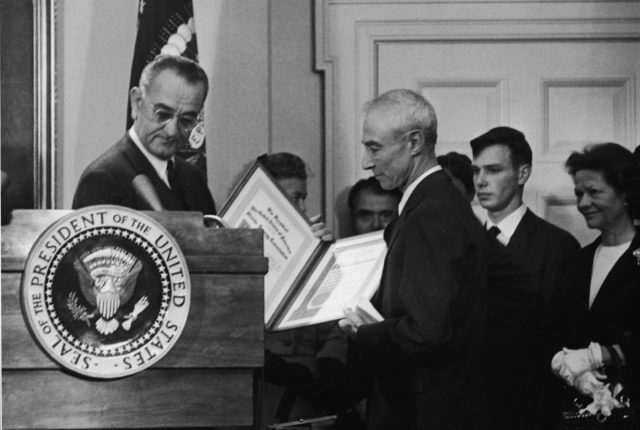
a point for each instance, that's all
(508, 225)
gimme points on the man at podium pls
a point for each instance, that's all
(141, 171)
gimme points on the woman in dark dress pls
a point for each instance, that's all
(598, 306)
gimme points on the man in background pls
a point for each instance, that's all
(426, 358)
(459, 167)
(141, 170)
(517, 312)
(372, 207)
(303, 364)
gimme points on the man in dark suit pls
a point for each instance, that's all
(517, 313)
(165, 107)
(426, 358)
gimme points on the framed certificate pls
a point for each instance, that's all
(309, 281)
(346, 274)
(289, 243)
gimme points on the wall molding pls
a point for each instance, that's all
(44, 139)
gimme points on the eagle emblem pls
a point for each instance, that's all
(107, 278)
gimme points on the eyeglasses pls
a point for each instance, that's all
(162, 115)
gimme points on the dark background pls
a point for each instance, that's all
(17, 99)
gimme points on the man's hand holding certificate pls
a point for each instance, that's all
(362, 313)
(310, 281)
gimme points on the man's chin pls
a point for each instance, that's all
(488, 205)
(385, 185)
(166, 152)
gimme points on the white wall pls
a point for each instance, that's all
(233, 48)
(296, 92)
(95, 49)
(264, 93)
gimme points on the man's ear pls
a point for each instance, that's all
(416, 142)
(135, 98)
(524, 172)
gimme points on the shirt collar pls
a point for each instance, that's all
(412, 186)
(509, 224)
(158, 164)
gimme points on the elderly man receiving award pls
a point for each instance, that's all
(425, 359)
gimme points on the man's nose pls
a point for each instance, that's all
(171, 127)
(377, 222)
(302, 206)
(479, 180)
(366, 162)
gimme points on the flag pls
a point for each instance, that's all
(168, 27)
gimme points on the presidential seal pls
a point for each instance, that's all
(106, 291)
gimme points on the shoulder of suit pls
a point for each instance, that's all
(114, 162)
(548, 231)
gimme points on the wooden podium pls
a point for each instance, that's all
(209, 378)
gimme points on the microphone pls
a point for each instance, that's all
(145, 192)
(215, 221)
(6, 180)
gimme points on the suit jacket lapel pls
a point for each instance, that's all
(395, 228)
(582, 286)
(423, 189)
(390, 233)
(522, 235)
(140, 164)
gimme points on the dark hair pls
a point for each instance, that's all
(187, 69)
(459, 166)
(282, 165)
(618, 166)
(372, 186)
(509, 137)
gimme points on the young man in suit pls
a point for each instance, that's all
(165, 108)
(426, 359)
(517, 313)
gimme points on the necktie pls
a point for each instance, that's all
(174, 184)
(495, 231)
(171, 175)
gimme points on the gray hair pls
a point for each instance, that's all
(411, 111)
(187, 69)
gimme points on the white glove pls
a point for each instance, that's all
(556, 362)
(590, 382)
(571, 363)
(604, 401)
